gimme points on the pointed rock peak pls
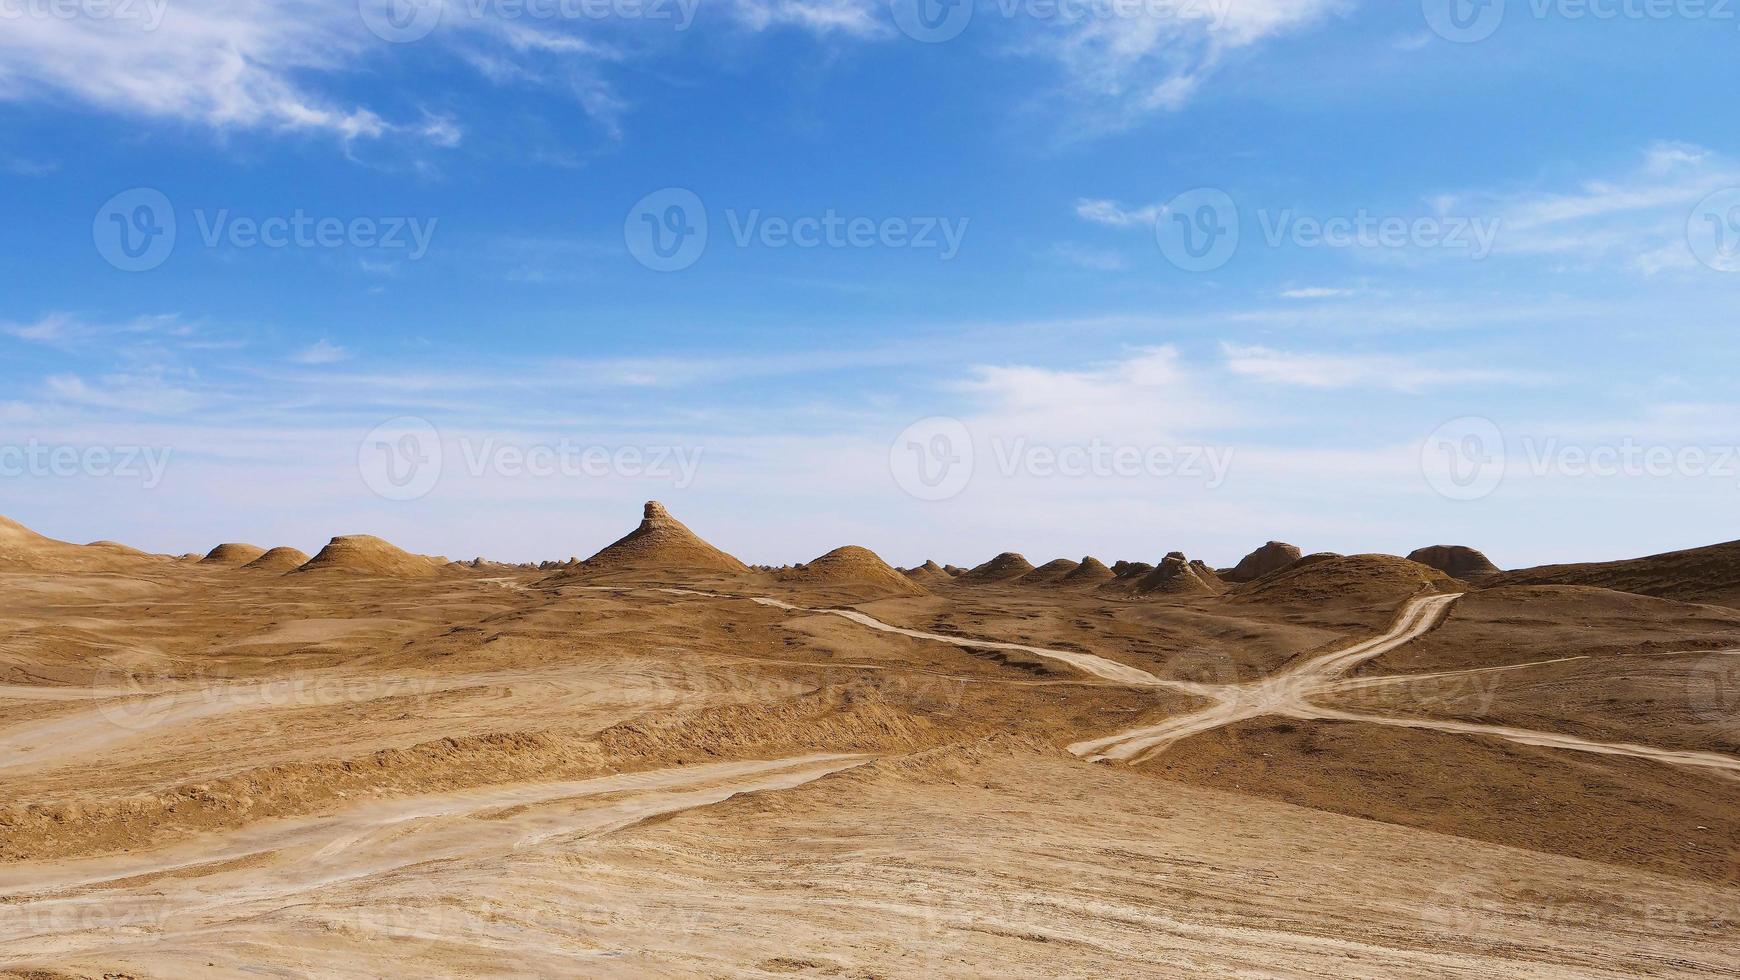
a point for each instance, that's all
(656, 511)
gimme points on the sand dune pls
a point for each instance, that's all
(232, 554)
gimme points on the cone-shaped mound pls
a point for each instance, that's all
(1456, 560)
(1272, 557)
(1090, 572)
(1353, 581)
(1050, 573)
(121, 549)
(662, 544)
(232, 554)
(955, 571)
(1178, 575)
(279, 560)
(1131, 569)
(1006, 567)
(1708, 575)
(857, 567)
(365, 554)
(929, 573)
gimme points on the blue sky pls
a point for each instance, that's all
(1551, 244)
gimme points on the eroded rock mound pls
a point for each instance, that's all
(662, 544)
(1178, 575)
(1006, 567)
(1090, 572)
(232, 554)
(365, 554)
(929, 573)
(279, 560)
(1050, 573)
(1270, 558)
(1456, 560)
(1352, 581)
(855, 567)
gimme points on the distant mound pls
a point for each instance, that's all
(955, 571)
(1270, 558)
(1178, 575)
(929, 573)
(24, 549)
(232, 554)
(1455, 560)
(365, 554)
(1091, 571)
(279, 560)
(1006, 567)
(859, 568)
(662, 544)
(1357, 580)
(1131, 569)
(1705, 575)
(1050, 573)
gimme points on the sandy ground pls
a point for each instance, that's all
(218, 772)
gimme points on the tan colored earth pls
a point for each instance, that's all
(662, 763)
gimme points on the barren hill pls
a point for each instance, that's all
(1090, 572)
(1006, 567)
(1457, 560)
(1352, 581)
(22, 548)
(1709, 575)
(1178, 575)
(279, 560)
(1050, 573)
(365, 554)
(929, 573)
(1270, 558)
(232, 554)
(856, 567)
(662, 544)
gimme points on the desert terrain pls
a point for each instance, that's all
(662, 762)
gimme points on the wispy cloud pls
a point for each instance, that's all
(1317, 292)
(1349, 371)
(321, 351)
(1101, 211)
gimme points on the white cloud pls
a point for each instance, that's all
(1346, 371)
(1317, 292)
(1112, 214)
(322, 352)
(1122, 64)
(1636, 219)
(1093, 259)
